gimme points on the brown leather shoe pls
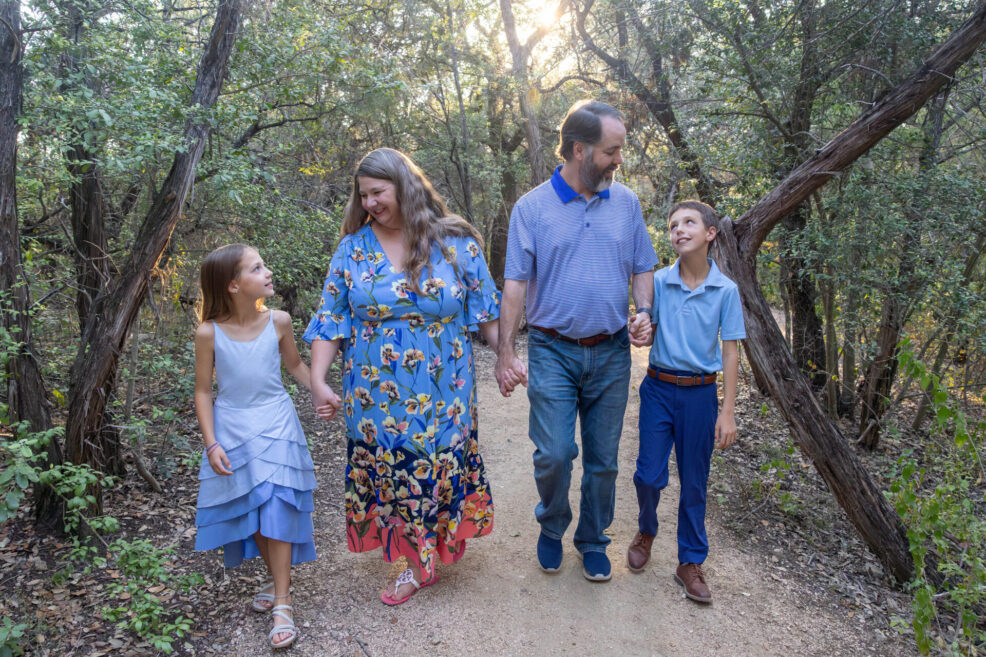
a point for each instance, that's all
(639, 551)
(689, 575)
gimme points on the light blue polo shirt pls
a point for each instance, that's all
(577, 256)
(691, 322)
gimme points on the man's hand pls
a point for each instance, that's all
(510, 372)
(725, 430)
(641, 331)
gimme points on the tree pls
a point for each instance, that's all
(114, 309)
(815, 433)
(27, 398)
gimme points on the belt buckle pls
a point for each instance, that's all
(678, 380)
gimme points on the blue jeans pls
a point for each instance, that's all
(564, 379)
(683, 417)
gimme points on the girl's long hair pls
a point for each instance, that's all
(427, 220)
(218, 270)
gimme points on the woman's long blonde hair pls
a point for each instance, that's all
(427, 220)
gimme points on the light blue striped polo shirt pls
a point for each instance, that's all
(577, 256)
(691, 322)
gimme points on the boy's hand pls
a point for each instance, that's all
(641, 330)
(725, 430)
(220, 462)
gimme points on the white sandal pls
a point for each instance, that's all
(284, 628)
(406, 577)
(263, 596)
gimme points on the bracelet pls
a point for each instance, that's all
(645, 309)
(211, 448)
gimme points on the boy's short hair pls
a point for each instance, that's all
(709, 217)
(583, 123)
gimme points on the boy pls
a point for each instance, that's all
(693, 304)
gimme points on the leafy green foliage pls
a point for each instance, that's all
(942, 507)
(146, 574)
(12, 638)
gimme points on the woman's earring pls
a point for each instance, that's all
(236, 291)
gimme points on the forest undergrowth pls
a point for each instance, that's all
(139, 589)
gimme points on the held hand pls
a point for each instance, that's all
(725, 430)
(510, 372)
(641, 330)
(220, 462)
(325, 401)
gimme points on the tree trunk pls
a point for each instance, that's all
(902, 296)
(850, 306)
(115, 309)
(816, 435)
(26, 396)
(462, 161)
(807, 343)
(88, 211)
(501, 224)
(520, 53)
(831, 348)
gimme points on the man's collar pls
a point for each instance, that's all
(565, 192)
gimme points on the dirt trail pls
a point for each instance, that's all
(496, 601)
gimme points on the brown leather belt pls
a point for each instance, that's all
(697, 380)
(590, 341)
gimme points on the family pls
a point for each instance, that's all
(406, 288)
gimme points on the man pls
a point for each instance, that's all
(575, 242)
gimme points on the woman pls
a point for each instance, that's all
(406, 282)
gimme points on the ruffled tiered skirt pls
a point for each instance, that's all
(270, 489)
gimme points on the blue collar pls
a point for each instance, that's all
(714, 278)
(566, 193)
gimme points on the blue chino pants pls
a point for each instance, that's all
(683, 417)
(565, 379)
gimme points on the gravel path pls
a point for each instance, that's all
(496, 601)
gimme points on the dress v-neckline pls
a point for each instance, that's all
(383, 250)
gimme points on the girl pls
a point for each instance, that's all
(256, 478)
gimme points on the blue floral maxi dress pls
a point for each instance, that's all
(415, 482)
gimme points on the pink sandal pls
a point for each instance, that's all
(406, 577)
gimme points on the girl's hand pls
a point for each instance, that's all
(220, 462)
(326, 401)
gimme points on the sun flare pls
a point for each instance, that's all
(548, 15)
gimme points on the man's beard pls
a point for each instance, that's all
(592, 177)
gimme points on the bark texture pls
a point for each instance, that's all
(26, 395)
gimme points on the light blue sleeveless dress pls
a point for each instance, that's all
(273, 476)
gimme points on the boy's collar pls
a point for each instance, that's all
(565, 191)
(714, 278)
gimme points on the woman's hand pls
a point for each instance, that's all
(219, 461)
(325, 400)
